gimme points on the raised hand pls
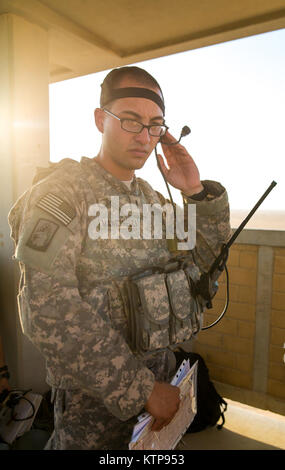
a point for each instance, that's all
(182, 172)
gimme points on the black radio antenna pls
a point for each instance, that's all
(205, 284)
(226, 247)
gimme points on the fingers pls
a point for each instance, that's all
(158, 424)
(168, 138)
(167, 142)
(162, 165)
(173, 153)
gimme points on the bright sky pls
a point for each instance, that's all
(231, 95)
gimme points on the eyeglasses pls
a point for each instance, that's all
(130, 125)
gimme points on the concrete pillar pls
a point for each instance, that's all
(24, 144)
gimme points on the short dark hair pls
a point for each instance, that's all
(113, 79)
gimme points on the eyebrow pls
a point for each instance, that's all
(138, 116)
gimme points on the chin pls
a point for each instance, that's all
(138, 165)
(135, 163)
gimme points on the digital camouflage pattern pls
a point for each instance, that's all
(161, 309)
(154, 312)
(183, 306)
(70, 300)
(84, 424)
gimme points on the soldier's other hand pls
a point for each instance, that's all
(163, 404)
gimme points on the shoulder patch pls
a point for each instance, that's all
(57, 207)
(41, 239)
(42, 235)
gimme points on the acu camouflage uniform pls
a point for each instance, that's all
(70, 300)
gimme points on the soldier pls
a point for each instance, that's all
(71, 297)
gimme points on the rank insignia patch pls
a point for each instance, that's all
(58, 208)
(42, 235)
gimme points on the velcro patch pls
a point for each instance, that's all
(42, 235)
(41, 240)
(58, 208)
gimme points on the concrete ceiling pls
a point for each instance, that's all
(87, 36)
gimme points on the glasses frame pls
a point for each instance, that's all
(148, 127)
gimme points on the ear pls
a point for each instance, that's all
(99, 119)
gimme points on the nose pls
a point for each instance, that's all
(143, 137)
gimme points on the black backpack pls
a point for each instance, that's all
(210, 405)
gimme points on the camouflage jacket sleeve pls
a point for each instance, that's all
(212, 224)
(78, 341)
(211, 228)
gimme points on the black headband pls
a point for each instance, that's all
(132, 92)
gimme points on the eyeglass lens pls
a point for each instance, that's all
(135, 126)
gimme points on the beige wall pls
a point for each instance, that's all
(276, 373)
(245, 351)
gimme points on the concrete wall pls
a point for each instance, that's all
(245, 350)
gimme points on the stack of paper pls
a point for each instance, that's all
(166, 439)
